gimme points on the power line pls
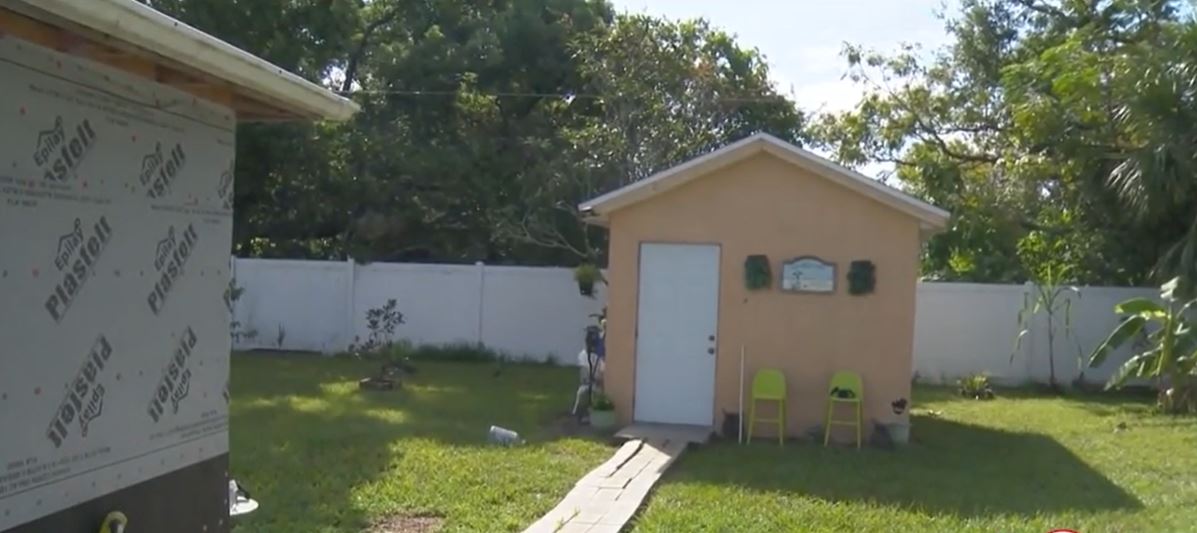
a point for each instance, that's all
(563, 96)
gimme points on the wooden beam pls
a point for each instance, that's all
(135, 65)
(207, 91)
(255, 110)
(170, 75)
(34, 31)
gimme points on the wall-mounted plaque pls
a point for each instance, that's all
(808, 274)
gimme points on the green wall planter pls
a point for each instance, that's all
(862, 277)
(757, 274)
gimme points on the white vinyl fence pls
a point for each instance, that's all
(965, 328)
(321, 305)
(532, 312)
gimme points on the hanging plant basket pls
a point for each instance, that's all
(586, 288)
(757, 274)
(862, 277)
(587, 275)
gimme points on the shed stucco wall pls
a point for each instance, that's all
(763, 205)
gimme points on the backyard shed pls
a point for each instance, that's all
(837, 253)
(117, 140)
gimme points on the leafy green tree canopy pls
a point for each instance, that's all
(1056, 131)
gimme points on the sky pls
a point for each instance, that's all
(802, 39)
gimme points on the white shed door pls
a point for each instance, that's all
(675, 336)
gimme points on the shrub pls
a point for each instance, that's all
(381, 321)
(975, 386)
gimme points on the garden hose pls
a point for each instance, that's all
(114, 523)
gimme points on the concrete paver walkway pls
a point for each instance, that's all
(606, 498)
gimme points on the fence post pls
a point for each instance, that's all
(481, 297)
(350, 300)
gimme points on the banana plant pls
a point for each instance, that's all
(1170, 354)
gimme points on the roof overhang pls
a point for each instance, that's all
(136, 38)
(931, 219)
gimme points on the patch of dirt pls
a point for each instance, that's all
(407, 524)
(566, 424)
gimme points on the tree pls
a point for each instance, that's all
(285, 172)
(653, 94)
(1041, 116)
(483, 125)
(461, 105)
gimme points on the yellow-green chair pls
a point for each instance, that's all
(845, 388)
(768, 385)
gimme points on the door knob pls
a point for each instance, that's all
(711, 351)
(711, 338)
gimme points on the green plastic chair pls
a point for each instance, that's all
(768, 385)
(846, 388)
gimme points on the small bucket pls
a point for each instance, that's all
(899, 433)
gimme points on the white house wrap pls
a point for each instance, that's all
(115, 228)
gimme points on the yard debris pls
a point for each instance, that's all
(503, 436)
(389, 376)
(397, 368)
(377, 383)
(240, 502)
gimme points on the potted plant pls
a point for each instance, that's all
(587, 275)
(602, 412)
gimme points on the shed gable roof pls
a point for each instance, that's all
(931, 219)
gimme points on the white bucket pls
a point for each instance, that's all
(899, 432)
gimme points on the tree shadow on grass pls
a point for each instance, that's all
(452, 402)
(954, 468)
(323, 456)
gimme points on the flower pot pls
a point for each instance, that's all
(585, 289)
(602, 419)
(899, 433)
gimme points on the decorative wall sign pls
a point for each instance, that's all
(808, 274)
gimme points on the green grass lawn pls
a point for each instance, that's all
(1019, 463)
(323, 457)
